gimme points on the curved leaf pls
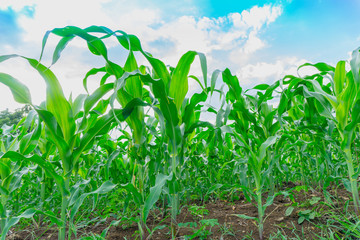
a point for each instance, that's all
(20, 92)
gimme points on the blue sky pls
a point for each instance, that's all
(260, 41)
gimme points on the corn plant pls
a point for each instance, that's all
(22, 138)
(255, 134)
(341, 103)
(70, 139)
(168, 113)
(170, 89)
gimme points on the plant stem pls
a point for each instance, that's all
(174, 196)
(64, 205)
(259, 206)
(42, 194)
(353, 182)
(3, 212)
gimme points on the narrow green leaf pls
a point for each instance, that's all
(261, 87)
(214, 78)
(339, 78)
(245, 217)
(92, 72)
(322, 67)
(60, 47)
(262, 150)
(104, 188)
(154, 194)
(100, 92)
(136, 195)
(20, 92)
(179, 81)
(14, 220)
(47, 166)
(355, 66)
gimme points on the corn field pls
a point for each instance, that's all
(141, 145)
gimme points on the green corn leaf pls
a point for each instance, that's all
(197, 80)
(322, 67)
(261, 87)
(60, 47)
(245, 217)
(348, 95)
(6, 57)
(213, 188)
(214, 78)
(179, 82)
(198, 124)
(16, 180)
(113, 155)
(5, 169)
(4, 191)
(14, 220)
(355, 67)
(355, 114)
(104, 188)
(102, 125)
(55, 100)
(339, 78)
(269, 201)
(56, 103)
(134, 88)
(136, 195)
(264, 146)
(154, 194)
(29, 141)
(95, 45)
(283, 104)
(167, 105)
(47, 166)
(131, 42)
(100, 92)
(20, 92)
(203, 65)
(233, 83)
(92, 72)
(53, 127)
(78, 104)
(350, 128)
(189, 116)
(160, 69)
(133, 84)
(322, 105)
(332, 99)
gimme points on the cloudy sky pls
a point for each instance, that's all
(260, 41)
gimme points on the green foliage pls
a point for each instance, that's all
(13, 118)
(137, 146)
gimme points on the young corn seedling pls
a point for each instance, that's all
(21, 138)
(256, 135)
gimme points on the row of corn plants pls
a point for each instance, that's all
(139, 141)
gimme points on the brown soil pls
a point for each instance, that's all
(229, 227)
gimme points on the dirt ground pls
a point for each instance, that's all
(228, 225)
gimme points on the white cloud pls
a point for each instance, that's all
(265, 72)
(235, 31)
(256, 17)
(236, 36)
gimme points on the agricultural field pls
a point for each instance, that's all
(143, 158)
